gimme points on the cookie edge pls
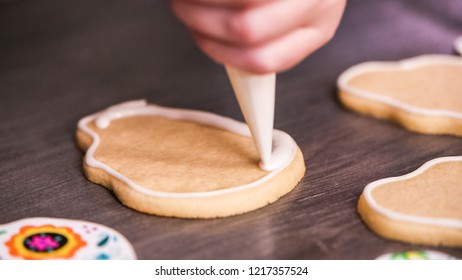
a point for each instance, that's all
(408, 232)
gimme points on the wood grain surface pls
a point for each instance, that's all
(62, 60)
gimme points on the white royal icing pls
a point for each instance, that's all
(284, 148)
(406, 64)
(97, 242)
(458, 45)
(446, 222)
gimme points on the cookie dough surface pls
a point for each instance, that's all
(436, 86)
(177, 156)
(436, 193)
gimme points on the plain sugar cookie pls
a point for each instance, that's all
(423, 94)
(183, 163)
(422, 207)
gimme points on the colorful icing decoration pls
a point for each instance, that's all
(44, 242)
(49, 238)
(284, 147)
(416, 255)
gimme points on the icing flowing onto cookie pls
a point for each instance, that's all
(284, 148)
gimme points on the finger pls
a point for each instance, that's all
(248, 26)
(330, 15)
(276, 56)
(229, 3)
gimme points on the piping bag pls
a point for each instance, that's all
(255, 94)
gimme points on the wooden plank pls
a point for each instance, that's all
(61, 60)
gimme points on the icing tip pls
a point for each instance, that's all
(255, 94)
(267, 166)
(458, 45)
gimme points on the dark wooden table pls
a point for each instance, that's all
(62, 60)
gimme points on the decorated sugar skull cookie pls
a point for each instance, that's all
(416, 255)
(49, 238)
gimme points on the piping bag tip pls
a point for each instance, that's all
(255, 94)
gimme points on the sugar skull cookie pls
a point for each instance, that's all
(50, 238)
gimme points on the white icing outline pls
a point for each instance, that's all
(405, 64)
(284, 147)
(446, 222)
(458, 45)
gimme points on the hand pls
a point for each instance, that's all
(260, 36)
